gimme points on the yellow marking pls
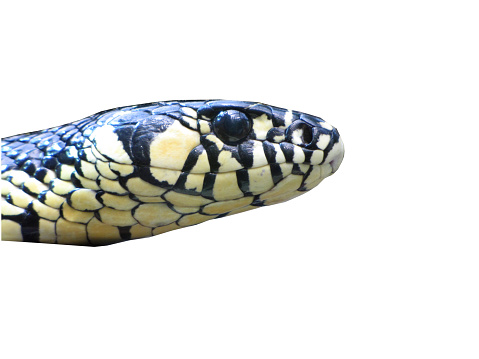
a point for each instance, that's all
(123, 203)
(104, 169)
(108, 144)
(171, 148)
(6, 174)
(7, 187)
(226, 187)
(155, 214)
(61, 187)
(219, 144)
(9, 209)
(142, 188)
(18, 177)
(163, 229)
(73, 215)
(192, 219)
(71, 233)
(204, 127)
(314, 178)
(259, 158)
(189, 112)
(116, 217)
(170, 176)
(49, 176)
(20, 198)
(191, 122)
(47, 231)
(112, 186)
(303, 167)
(279, 138)
(11, 230)
(286, 169)
(279, 157)
(90, 157)
(194, 181)
(287, 185)
(85, 200)
(261, 125)
(228, 162)
(34, 185)
(44, 211)
(185, 200)
(260, 179)
(202, 164)
(139, 231)
(101, 234)
(288, 118)
(89, 170)
(87, 183)
(317, 157)
(323, 141)
(66, 172)
(123, 170)
(227, 206)
(98, 155)
(53, 200)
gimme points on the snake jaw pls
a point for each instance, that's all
(142, 170)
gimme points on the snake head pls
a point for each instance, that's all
(216, 151)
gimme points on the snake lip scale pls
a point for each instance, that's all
(138, 171)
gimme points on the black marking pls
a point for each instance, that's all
(288, 151)
(242, 177)
(212, 151)
(274, 132)
(180, 185)
(208, 185)
(30, 226)
(50, 162)
(146, 175)
(276, 172)
(307, 155)
(192, 158)
(245, 151)
(302, 188)
(125, 233)
(29, 167)
(257, 202)
(269, 151)
(40, 174)
(296, 170)
(65, 158)
(76, 181)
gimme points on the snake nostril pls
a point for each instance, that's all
(300, 134)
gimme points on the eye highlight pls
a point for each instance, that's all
(232, 126)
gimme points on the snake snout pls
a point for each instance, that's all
(335, 155)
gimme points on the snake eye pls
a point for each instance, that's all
(232, 126)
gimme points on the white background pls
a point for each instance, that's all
(379, 261)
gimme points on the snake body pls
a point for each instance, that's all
(139, 171)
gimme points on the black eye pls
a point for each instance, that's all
(232, 126)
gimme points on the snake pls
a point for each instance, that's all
(139, 171)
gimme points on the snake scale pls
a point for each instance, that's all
(139, 171)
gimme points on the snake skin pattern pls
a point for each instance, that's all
(142, 170)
